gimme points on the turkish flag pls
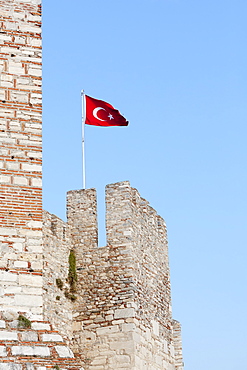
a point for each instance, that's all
(100, 113)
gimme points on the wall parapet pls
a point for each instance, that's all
(124, 301)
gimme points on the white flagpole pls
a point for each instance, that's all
(83, 107)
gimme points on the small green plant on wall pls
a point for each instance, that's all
(23, 322)
(59, 283)
(72, 277)
(69, 295)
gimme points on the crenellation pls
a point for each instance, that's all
(82, 217)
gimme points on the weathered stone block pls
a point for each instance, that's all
(29, 336)
(107, 330)
(30, 366)
(8, 276)
(63, 351)
(20, 180)
(14, 324)
(30, 280)
(30, 351)
(124, 313)
(8, 231)
(11, 366)
(3, 352)
(40, 326)
(100, 360)
(10, 315)
(21, 264)
(52, 338)
(155, 326)
(122, 345)
(35, 224)
(8, 335)
(128, 327)
(122, 359)
(28, 300)
(87, 336)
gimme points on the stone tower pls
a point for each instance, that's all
(21, 155)
(64, 302)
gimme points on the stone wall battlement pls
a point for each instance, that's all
(121, 313)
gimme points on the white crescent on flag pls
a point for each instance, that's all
(95, 111)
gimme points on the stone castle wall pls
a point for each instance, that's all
(122, 312)
(124, 304)
(109, 307)
(121, 315)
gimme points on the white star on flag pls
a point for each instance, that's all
(111, 116)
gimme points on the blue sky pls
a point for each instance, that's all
(177, 71)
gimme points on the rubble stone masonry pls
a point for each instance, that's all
(122, 314)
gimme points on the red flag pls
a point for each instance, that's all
(100, 113)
